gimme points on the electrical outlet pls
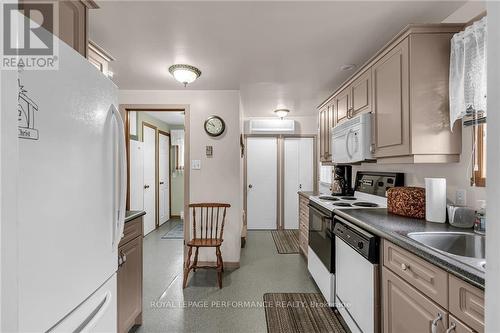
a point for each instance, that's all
(461, 198)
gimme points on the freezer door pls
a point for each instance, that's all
(96, 314)
(69, 188)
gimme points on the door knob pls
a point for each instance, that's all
(250, 186)
(300, 186)
(146, 186)
(161, 183)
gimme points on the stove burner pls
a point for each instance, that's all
(342, 204)
(348, 198)
(365, 204)
(328, 198)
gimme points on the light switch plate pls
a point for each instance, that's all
(461, 198)
(196, 164)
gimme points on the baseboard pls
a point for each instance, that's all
(243, 242)
(227, 264)
(175, 216)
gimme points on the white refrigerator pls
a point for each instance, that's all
(71, 197)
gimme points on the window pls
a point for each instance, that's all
(479, 169)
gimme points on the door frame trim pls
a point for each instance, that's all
(280, 209)
(146, 124)
(160, 132)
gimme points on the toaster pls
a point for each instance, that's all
(461, 217)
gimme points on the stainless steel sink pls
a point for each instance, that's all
(458, 243)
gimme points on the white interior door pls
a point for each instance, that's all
(149, 139)
(163, 175)
(298, 176)
(136, 175)
(262, 161)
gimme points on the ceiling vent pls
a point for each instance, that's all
(272, 125)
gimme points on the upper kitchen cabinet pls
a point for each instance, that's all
(73, 22)
(326, 122)
(405, 86)
(99, 58)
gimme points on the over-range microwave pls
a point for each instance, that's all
(352, 140)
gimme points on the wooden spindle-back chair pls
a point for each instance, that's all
(208, 229)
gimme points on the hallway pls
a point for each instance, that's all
(200, 307)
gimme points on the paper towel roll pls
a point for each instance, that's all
(435, 199)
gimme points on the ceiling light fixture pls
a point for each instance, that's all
(184, 73)
(347, 67)
(281, 112)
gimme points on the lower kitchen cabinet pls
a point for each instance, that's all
(129, 278)
(412, 297)
(303, 224)
(406, 310)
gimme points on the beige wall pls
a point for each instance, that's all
(219, 177)
(457, 174)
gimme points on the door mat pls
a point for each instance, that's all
(287, 241)
(301, 312)
(177, 232)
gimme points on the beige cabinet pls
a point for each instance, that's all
(406, 310)
(392, 125)
(416, 293)
(129, 276)
(326, 122)
(98, 57)
(361, 94)
(303, 224)
(405, 87)
(343, 105)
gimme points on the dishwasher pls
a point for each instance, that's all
(357, 276)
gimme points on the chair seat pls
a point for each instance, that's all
(211, 242)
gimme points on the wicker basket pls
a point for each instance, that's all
(406, 201)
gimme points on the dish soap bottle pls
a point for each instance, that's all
(480, 224)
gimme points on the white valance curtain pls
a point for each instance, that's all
(468, 74)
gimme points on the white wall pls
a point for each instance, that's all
(219, 177)
(493, 190)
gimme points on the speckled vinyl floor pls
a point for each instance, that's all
(200, 307)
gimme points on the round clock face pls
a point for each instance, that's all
(214, 126)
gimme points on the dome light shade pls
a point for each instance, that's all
(281, 112)
(184, 73)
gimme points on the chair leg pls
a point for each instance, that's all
(219, 266)
(195, 263)
(186, 268)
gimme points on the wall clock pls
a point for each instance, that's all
(214, 126)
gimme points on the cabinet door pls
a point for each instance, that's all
(456, 326)
(329, 125)
(406, 310)
(322, 135)
(361, 90)
(343, 105)
(391, 102)
(130, 285)
(73, 25)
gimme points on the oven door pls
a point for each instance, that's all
(321, 239)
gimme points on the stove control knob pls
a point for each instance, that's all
(360, 245)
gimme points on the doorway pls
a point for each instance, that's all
(276, 168)
(156, 139)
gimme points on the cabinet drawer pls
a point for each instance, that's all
(424, 276)
(467, 303)
(132, 230)
(456, 326)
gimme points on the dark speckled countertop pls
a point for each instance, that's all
(133, 214)
(394, 228)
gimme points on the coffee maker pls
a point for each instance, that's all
(342, 180)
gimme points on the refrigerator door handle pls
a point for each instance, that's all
(122, 160)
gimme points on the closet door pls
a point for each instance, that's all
(149, 139)
(298, 176)
(163, 178)
(262, 180)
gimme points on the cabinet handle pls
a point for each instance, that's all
(451, 328)
(434, 324)
(405, 267)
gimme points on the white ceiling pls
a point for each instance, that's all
(169, 117)
(278, 54)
